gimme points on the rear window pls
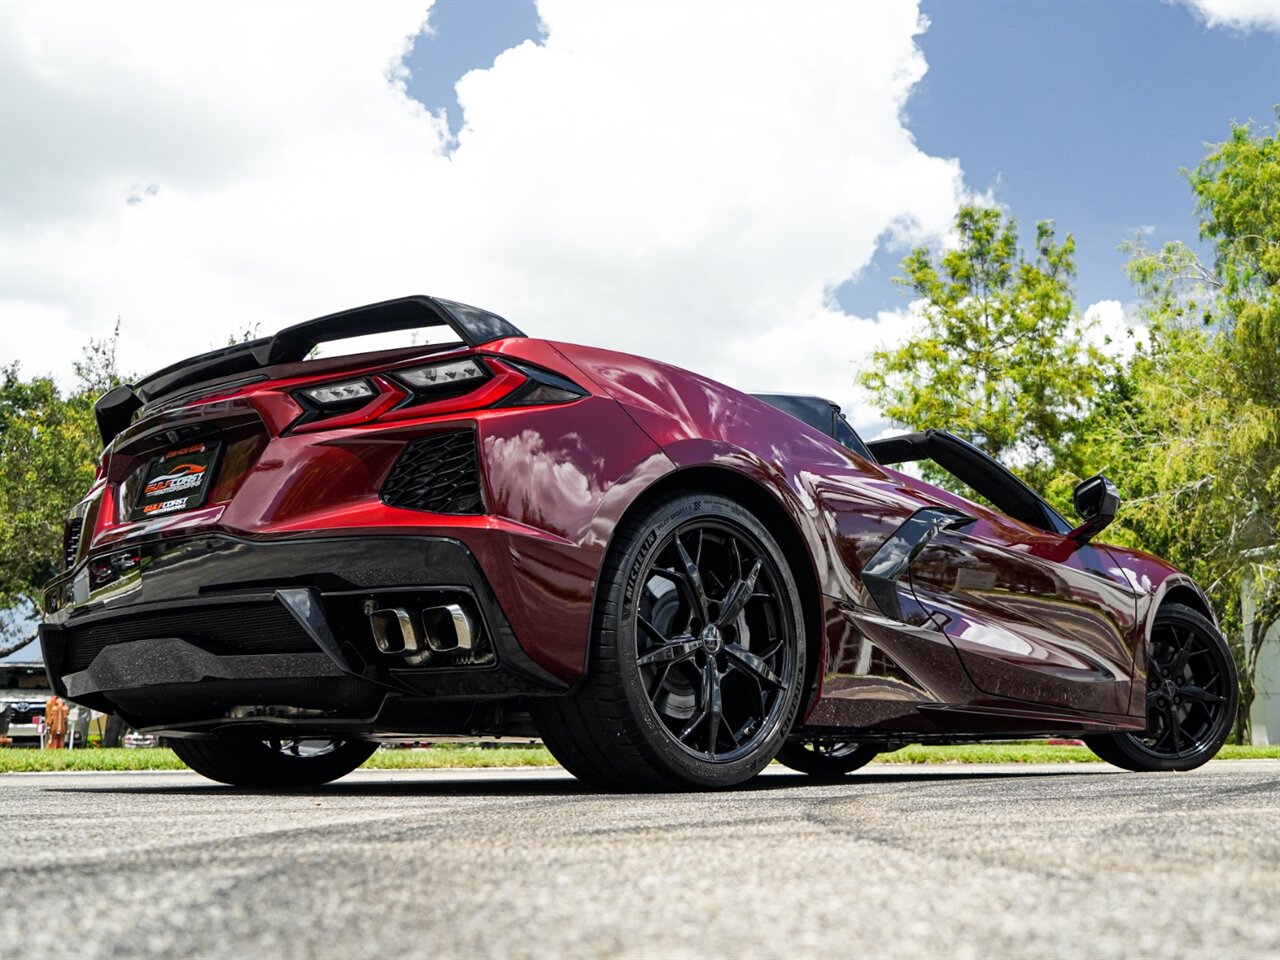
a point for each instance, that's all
(822, 415)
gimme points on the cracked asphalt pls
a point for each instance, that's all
(939, 861)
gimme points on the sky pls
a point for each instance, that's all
(728, 187)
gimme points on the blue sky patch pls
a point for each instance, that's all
(1081, 113)
(464, 35)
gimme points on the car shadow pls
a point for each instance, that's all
(497, 782)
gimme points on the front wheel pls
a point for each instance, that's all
(272, 764)
(697, 658)
(1192, 697)
(826, 760)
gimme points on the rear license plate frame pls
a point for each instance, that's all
(165, 491)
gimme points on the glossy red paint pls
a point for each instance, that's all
(1005, 628)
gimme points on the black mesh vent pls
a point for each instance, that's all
(242, 628)
(437, 473)
(71, 540)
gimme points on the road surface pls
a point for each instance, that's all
(923, 861)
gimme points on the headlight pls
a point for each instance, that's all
(338, 394)
(447, 374)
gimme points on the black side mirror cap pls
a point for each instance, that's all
(1097, 502)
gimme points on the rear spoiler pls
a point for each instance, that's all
(474, 326)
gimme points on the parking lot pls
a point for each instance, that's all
(973, 861)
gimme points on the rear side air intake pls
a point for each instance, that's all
(438, 473)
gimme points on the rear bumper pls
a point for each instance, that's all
(207, 629)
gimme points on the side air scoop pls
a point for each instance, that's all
(881, 574)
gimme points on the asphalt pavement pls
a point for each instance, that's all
(939, 861)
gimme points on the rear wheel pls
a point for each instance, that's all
(273, 763)
(697, 657)
(826, 760)
(1192, 697)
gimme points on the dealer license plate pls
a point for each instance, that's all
(177, 480)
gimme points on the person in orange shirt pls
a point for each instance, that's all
(55, 723)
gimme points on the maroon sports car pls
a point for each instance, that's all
(286, 559)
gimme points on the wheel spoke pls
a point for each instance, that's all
(715, 707)
(693, 725)
(755, 666)
(1153, 670)
(654, 633)
(1182, 652)
(760, 694)
(736, 599)
(704, 699)
(660, 681)
(674, 650)
(1175, 727)
(1199, 695)
(694, 579)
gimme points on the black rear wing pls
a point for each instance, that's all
(474, 326)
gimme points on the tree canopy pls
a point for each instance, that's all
(1001, 355)
(49, 449)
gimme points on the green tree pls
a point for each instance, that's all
(1001, 356)
(49, 447)
(1193, 432)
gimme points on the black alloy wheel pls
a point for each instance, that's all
(272, 764)
(716, 653)
(1192, 696)
(697, 662)
(826, 760)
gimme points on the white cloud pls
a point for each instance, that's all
(1110, 329)
(683, 181)
(775, 358)
(1243, 15)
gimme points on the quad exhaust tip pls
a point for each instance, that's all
(447, 628)
(395, 632)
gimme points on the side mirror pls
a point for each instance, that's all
(1097, 501)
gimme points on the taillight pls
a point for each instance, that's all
(349, 395)
(450, 386)
(437, 377)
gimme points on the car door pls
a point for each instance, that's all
(1033, 615)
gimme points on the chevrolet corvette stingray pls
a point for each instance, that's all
(286, 558)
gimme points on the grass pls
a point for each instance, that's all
(457, 755)
(1024, 752)
(47, 761)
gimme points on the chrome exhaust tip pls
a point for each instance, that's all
(448, 628)
(395, 632)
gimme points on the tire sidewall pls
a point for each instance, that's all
(655, 740)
